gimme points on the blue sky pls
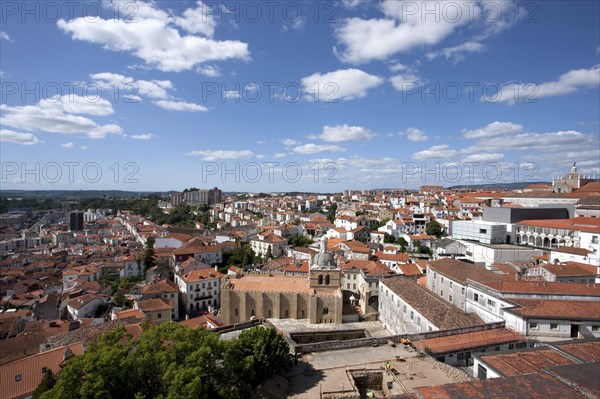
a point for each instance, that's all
(302, 96)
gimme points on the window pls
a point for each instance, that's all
(348, 285)
(203, 285)
(482, 231)
(18, 377)
(404, 309)
(353, 286)
(481, 372)
(158, 316)
(442, 293)
(269, 312)
(325, 310)
(320, 279)
(442, 280)
(327, 279)
(252, 312)
(450, 298)
(476, 297)
(497, 348)
(533, 326)
(462, 290)
(594, 239)
(491, 303)
(450, 284)
(553, 326)
(235, 311)
(354, 276)
(511, 346)
(412, 315)
(595, 328)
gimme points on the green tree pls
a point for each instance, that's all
(331, 212)
(172, 361)
(149, 257)
(269, 254)
(402, 242)
(48, 381)
(389, 239)
(268, 350)
(434, 228)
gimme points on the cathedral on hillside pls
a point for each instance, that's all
(317, 298)
(570, 182)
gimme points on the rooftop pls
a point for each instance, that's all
(525, 362)
(530, 386)
(555, 309)
(270, 284)
(460, 271)
(469, 340)
(440, 313)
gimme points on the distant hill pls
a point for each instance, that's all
(77, 194)
(498, 186)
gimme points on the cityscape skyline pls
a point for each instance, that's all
(267, 96)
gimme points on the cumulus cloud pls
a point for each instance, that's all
(414, 134)
(436, 152)
(67, 145)
(567, 83)
(214, 155)
(363, 40)
(62, 115)
(146, 136)
(11, 136)
(211, 71)
(151, 34)
(180, 106)
(343, 84)
(457, 52)
(493, 129)
(128, 86)
(312, 148)
(339, 133)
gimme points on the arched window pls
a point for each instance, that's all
(320, 279)
(327, 279)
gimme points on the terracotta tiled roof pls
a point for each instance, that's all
(586, 351)
(530, 386)
(555, 309)
(440, 313)
(568, 269)
(460, 271)
(153, 305)
(160, 287)
(21, 377)
(586, 224)
(202, 274)
(270, 284)
(470, 340)
(544, 288)
(572, 250)
(524, 362)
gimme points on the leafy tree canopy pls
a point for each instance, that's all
(172, 361)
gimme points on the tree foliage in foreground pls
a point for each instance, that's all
(172, 361)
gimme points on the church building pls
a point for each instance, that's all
(317, 298)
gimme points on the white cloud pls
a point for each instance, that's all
(150, 34)
(436, 152)
(567, 83)
(289, 142)
(281, 155)
(67, 145)
(351, 4)
(343, 84)
(180, 106)
(198, 20)
(61, 115)
(405, 81)
(414, 134)
(457, 52)
(311, 148)
(364, 40)
(4, 36)
(213, 155)
(493, 129)
(339, 133)
(146, 136)
(157, 89)
(496, 157)
(11, 136)
(211, 71)
(543, 142)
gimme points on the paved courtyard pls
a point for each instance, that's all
(322, 372)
